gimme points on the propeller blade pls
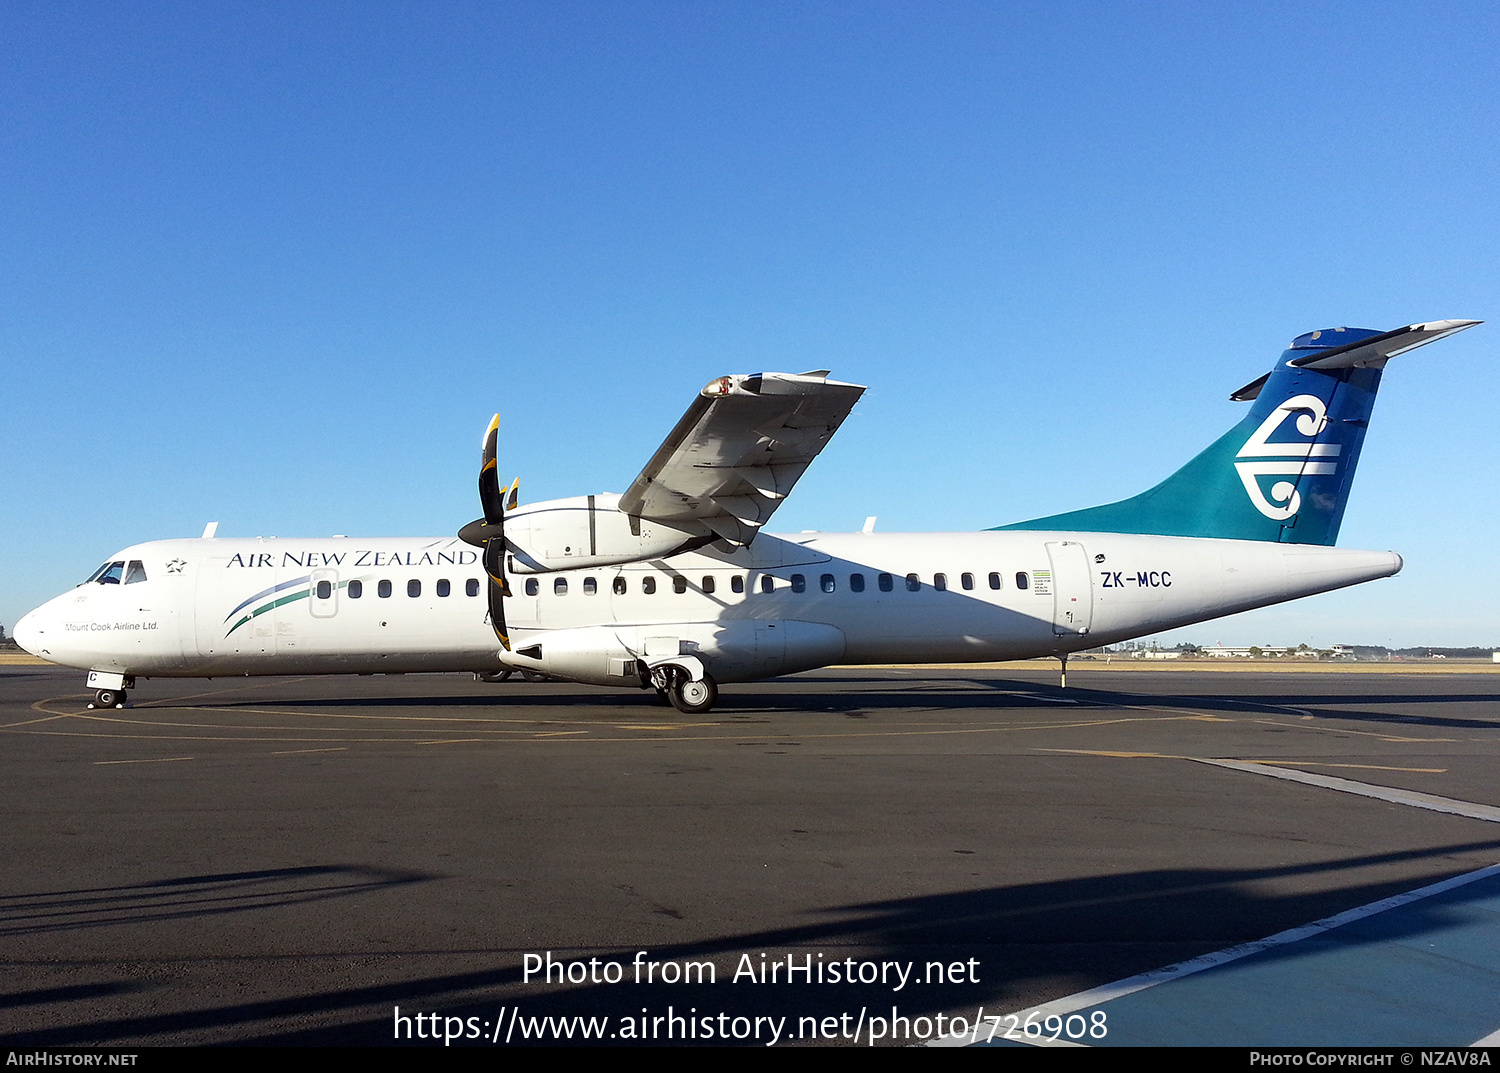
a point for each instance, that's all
(513, 494)
(490, 498)
(494, 566)
(489, 532)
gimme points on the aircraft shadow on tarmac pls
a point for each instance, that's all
(801, 694)
(1072, 933)
(192, 896)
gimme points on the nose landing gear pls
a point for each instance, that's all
(109, 688)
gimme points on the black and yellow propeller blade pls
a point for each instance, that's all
(489, 532)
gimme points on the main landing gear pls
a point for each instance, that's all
(500, 676)
(691, 696)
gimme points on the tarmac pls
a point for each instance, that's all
(1153, 855)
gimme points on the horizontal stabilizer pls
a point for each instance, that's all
(1364, 353)
(1367, 350)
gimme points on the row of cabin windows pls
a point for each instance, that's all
(324, 589)
(796, 582)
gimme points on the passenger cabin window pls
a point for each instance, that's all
(940, 582)
(471, 587)
(619, 585)
(799, 583)
(532, 588)
(826, 583)
(356, 589)
(590, 586)
(679, 584)
(648, 585)
(913, 583)
(325, 590)
(383, 590)
(994, 580)
(135, 572)
(886, 582)
(443, 588)
(560, 587)
(737, 583)
(414, 588)
(856, 583)
(767, 583)
(1022, 581)
(708, 583)
(966, 580)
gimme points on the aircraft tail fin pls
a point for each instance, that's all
(1283, 473)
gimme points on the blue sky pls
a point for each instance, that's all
(275, 265)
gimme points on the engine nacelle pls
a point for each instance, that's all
(584, 531)
(737, 650)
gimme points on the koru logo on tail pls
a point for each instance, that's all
(1286, 459)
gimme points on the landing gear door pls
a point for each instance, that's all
(1072, 589)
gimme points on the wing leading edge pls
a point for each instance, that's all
(738, 451)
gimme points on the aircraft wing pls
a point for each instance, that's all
(739, 449)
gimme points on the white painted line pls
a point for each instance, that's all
(157, 760)
(1108, 992)
(1364, 789)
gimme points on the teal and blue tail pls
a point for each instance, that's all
(1283, 473)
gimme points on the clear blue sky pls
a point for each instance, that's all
(275, 264)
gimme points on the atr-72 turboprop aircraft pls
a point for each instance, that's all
(672, 584)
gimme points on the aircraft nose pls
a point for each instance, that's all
(29, 633)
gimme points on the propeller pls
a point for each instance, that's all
(489, 532)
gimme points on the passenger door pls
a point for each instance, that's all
(1072, 588)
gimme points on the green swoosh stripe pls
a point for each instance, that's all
(263, 608)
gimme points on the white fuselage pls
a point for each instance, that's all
(328, 606)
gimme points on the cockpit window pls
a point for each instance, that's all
(95, 575)
(135, 572)
(111, 574)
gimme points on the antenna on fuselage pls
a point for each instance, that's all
(209, 530)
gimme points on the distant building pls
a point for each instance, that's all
(1251, 652)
